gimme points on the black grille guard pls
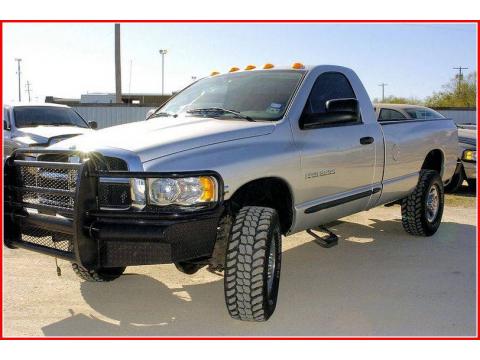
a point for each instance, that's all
(78, 222)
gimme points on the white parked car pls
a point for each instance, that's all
(467, 139)
(27, 125)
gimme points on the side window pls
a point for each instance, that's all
(328, 86)
(390, 115)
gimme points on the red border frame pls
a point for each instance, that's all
(477, 337)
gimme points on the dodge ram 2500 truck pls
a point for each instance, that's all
(217, 175)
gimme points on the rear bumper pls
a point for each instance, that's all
(96, 238)
(470, 169)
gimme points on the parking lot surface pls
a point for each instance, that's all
(378, 281)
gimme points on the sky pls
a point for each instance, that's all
(67, 60)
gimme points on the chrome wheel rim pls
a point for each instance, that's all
(272, 262)
(433, 203)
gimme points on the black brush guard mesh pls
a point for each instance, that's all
(54, 207)
(40, 202)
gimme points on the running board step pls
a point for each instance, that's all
(327, 241)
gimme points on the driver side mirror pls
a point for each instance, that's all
(5, 126)
(337, 111)
(93, 124)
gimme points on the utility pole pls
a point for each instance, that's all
(460, 74)
(163, 52)
(118, 68)
(28, 90)
(18, 60)
(383, 90)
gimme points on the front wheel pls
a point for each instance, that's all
(252, 264)
(188, 268)
(422, 210)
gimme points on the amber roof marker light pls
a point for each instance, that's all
(233, 69)
(268, 66)
(298, 65)
(250, 67)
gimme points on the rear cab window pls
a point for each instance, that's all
(390, 115)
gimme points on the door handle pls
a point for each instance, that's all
(366, 140)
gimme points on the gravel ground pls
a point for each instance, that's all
(378, 281)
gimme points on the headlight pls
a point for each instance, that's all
(470, 155)
(186, 191)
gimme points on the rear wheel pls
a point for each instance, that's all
(252, 264)
(456, 181)
(472, 184)
(97, 275)
(422, 210)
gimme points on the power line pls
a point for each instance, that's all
(383, 90)
(460, 74)
(18, 60)
(28, 89)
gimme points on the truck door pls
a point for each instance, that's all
(338, 160)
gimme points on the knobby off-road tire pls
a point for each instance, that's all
(418, 218)
(252, 264)
(99, 275)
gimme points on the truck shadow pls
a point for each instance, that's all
(391, 285)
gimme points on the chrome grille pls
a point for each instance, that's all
(36, 181)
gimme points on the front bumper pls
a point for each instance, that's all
(97, 238)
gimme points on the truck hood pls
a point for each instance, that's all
(160, 137)
(43, 134)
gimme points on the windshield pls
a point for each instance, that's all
(31, 116)
(423, 114)
(262, 95)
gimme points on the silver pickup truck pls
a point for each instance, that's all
(223, 170)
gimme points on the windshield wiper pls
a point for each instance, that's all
(161, 114)
(222, 110)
